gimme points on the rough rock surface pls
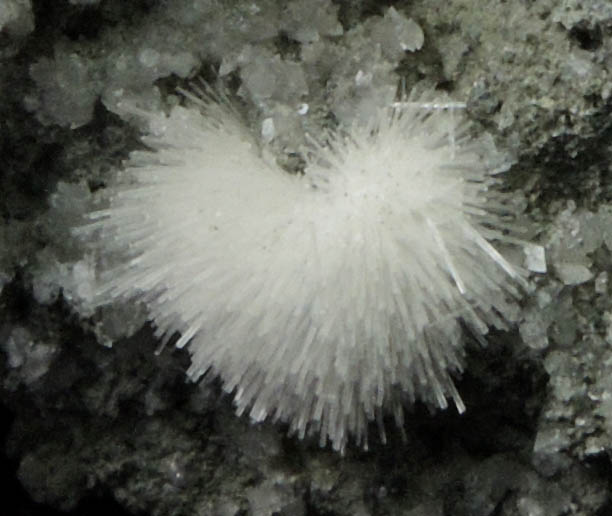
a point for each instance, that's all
(120, 423)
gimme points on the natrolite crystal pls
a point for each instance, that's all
(324, 299)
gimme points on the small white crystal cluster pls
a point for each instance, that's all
(576, 234)
(569, 322)
(28, 358)
(566, 252)
(351, 72)
(358, 71)
(322, 300)
(173, 39)
(61, 269)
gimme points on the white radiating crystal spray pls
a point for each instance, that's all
(325, 299)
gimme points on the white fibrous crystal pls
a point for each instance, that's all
(324, 299)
